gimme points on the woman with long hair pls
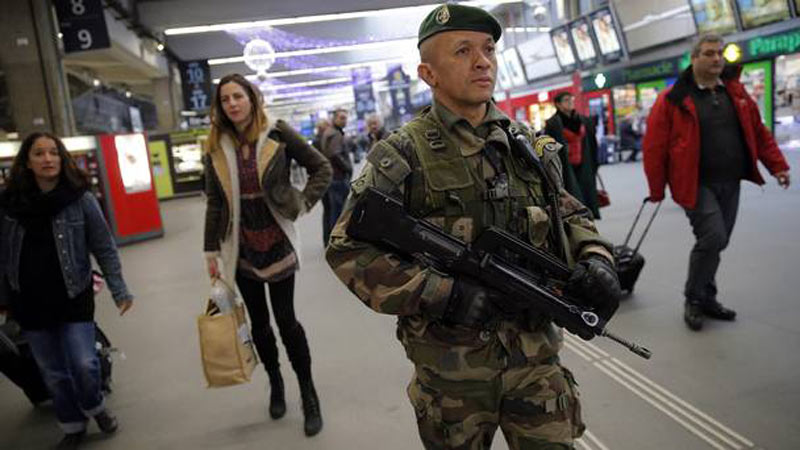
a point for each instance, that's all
(50, 224)
(250, 214)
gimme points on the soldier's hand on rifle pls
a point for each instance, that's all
(595, 281)
(470, 303)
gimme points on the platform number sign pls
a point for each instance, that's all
(82, 24)
(196, 81)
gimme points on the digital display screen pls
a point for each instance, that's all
(563, 46)
(188, 158)
(514, 67)
(606, 34)
(584, 45)
(713, 16)
(755, 13)
(538, 57)
(503, 78)
(134, 165)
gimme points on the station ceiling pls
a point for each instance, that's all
(400, 27)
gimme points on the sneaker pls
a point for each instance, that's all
(71, 441)
(106, 422)
(693, 316)
(715, 310)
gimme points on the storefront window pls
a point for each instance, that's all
(787, 101)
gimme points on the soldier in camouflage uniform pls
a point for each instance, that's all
(476, 368)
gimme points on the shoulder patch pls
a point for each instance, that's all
(545, 144)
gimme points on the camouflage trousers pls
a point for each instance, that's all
(536, 407)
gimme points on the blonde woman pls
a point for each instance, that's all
(249, 225)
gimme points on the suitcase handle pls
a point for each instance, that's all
(636, 220)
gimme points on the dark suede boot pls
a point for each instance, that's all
(277, 398)
(294, 338)
(311, 409)
(267, 348)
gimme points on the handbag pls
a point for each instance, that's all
(226, 349)
(603, 199)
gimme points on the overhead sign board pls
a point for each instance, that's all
(196, 85)
(82, 25)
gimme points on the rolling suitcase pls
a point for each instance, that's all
(628, 260)
(17, 363)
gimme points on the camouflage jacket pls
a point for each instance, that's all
(390, 284)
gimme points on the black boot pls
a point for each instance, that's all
(294, 338)
(693, 315)
(311, 409)
(277, 399)
(267, 348)
(715, 310)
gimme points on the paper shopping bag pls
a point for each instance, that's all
(226, 349)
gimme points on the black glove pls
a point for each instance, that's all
(470, 303)
(595, 282)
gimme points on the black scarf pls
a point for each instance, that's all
(38, 206)
(571, 121)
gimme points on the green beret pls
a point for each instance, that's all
(451, 17)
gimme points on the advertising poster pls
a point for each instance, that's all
(564, 53)
(607, 39)
(787, 102)
(757, 80)
(583, 42)
(713, 16)
(362, 92)
(399, 90)
(755, 13)
(134, 166)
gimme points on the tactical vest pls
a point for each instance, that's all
(445, 188)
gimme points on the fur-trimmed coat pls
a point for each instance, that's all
(275, 149)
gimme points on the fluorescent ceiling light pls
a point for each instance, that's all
(339, 98)
(289, 73)
(340, 90)
(526, 30)
(323, 50)
(318, 18)
(9, 149)
(275, 87)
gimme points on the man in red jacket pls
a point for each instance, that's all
(703, 136)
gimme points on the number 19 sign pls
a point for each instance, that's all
(82, 24)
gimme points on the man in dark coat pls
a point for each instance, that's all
(579, 155)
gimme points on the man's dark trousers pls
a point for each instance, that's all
(712, 222)
(332, 205)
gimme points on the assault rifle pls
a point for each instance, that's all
(530, 278)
